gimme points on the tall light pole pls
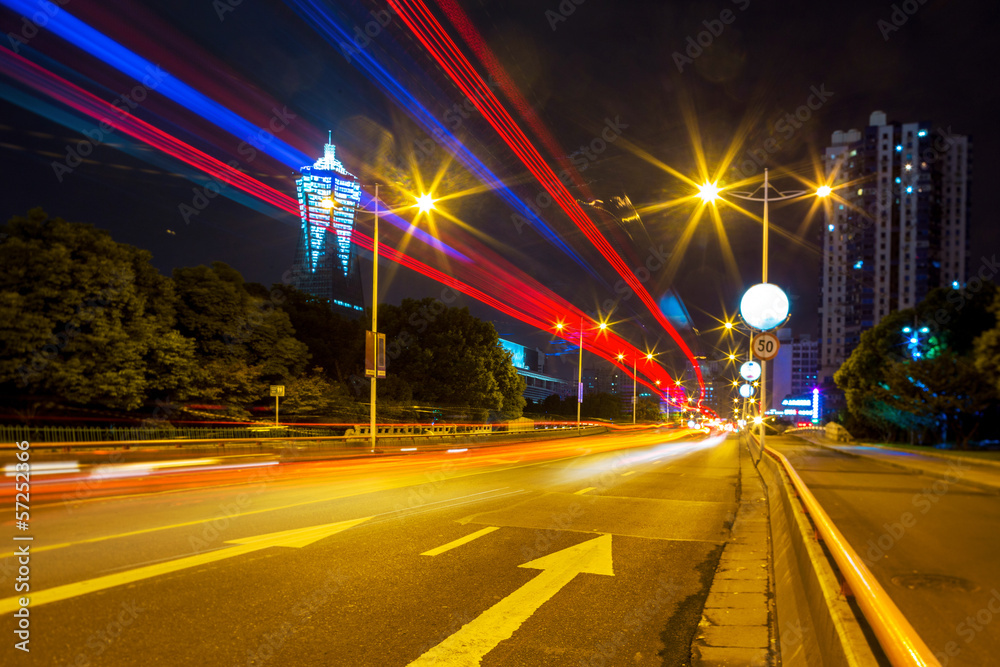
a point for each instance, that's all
(371, 415)
(579, 380)
(709, 192)
(635, 382)
(424, 203)
(579, 373)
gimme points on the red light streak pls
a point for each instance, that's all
(443, 49)
(499, 288)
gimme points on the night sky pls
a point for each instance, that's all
(581, 68)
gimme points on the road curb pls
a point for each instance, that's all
(737, 625)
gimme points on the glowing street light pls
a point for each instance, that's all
(767, 304)
(579, 377)
(708, 192)
(425, 203)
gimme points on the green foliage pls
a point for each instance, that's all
(248, 343)
(89, 321)
(449, 357)
(313, 395)
(335, 343)
(647, 409)
(86, 319)
(889, 392)
(987, 348)
(601, 406)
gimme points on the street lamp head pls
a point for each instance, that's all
(620, 356)
(729, 325)
(823, 191)
(708, 192)
(764, 306)
(425, 203)
(559, 326)
(649, 356)
(602, 326)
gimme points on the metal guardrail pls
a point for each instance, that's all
(900, 642)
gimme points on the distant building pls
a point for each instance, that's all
(529, 364)
(325, 262)
(903, 230)
(795, 369)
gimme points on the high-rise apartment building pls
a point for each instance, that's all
(898, 229)
(325, 264)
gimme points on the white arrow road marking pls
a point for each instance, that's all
(297, 538)
(475, 639)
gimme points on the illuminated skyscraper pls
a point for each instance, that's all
(325, 263)
(901, 231)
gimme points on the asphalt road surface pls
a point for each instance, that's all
(586, 551)
(931, 541)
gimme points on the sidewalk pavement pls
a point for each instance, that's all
(735, 627)
(984, 474)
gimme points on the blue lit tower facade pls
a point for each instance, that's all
(325, 263)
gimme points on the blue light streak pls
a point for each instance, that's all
(81, 35)
(320, 19)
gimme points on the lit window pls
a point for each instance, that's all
(830, 228)
(899, 148)
(922, 133)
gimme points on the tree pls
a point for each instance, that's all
(601, 405)
(892, 386)
(335, 343)
(312, 394)
(647, 409)
(245, 342)
(86, 319)
(946, 389)
(510, 384)
(449, 357)
(987, 347)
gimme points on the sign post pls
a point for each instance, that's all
(276, 391)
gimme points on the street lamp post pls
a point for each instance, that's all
(371, 415)
(579, 373)
(635, 382)
(579, 380)
(425, 203)
(709, 192)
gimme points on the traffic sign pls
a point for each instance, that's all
(374, 354)
(765, 346)
(277, 390)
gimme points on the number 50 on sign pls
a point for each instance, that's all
(765, 346)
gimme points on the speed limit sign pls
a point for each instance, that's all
(765, 346)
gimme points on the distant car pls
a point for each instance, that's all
(803, 424)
